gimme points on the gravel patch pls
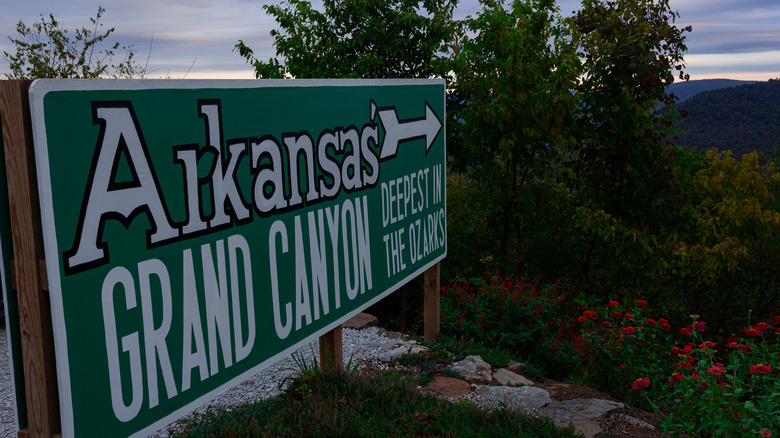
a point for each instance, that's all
(367, 344)
(7, 409)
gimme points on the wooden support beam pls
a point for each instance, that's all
(332, 350)
(40, 376)
(431, 302)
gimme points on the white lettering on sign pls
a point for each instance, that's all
(223, 329)
(107, 199)
(404, 198)
(311, 300)
(346, 159)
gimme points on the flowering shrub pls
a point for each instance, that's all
(704, 386)
(705, 390)
(624, 348)
(514, 315)
(724, 391)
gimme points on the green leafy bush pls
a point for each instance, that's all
(729, 390)
(622, 342)
(704, 386)
(512, 315)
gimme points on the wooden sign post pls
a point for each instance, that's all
(29, 269)
(431, 302)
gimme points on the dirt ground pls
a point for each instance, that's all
(613, 425)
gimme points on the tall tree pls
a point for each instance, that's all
(631, 50)
(510, 102)
(356, 38)
(46, 50)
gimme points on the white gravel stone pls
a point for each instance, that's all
(7, 408)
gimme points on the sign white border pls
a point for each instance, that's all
(38, 91)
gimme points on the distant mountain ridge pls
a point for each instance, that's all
(740, 118)
(684, 90)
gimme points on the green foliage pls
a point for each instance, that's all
(630, 49)
(460, 347)
(46, 50)
(509, 104)
(728, 235)
(736, 398)
(621, 343)
(356, 38)
(382, 404)
(513, 316)
(421, 367)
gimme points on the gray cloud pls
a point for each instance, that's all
(207, 30)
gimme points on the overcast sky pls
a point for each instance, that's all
(735, 39)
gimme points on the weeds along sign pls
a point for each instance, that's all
(197, 231)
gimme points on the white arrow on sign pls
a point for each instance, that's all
(397, 131)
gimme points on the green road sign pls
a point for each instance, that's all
(197, 231)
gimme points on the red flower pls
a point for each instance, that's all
(590, 315)
(760, 369)
(698, 326)
(606, 324)
(751, 331)
(762, 326)
(617, 315)
(641, 383)
(662, 321)
(613, 304)
(676, 378)
(708, 344)
(650, 322)
(718, 370)
(777, 320)
(666, 327)
(582, 319)
(746, 349)
(630, 330)
(628, 316)
(641, 303)
(765, 432)
(685, 331)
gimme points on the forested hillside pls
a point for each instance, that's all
(686, 89)
(740, 119)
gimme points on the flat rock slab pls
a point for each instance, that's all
(588, 429)
(473, 368)
(578, 410)
(524, 398)
(361, 321)
(636, 422)
(448, 386)
(397, 352)
(508, 378)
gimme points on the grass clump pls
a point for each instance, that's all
(336, 404)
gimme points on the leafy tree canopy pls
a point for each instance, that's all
(46, 49)
(630, 51)
(356, 38)
(510, 102)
